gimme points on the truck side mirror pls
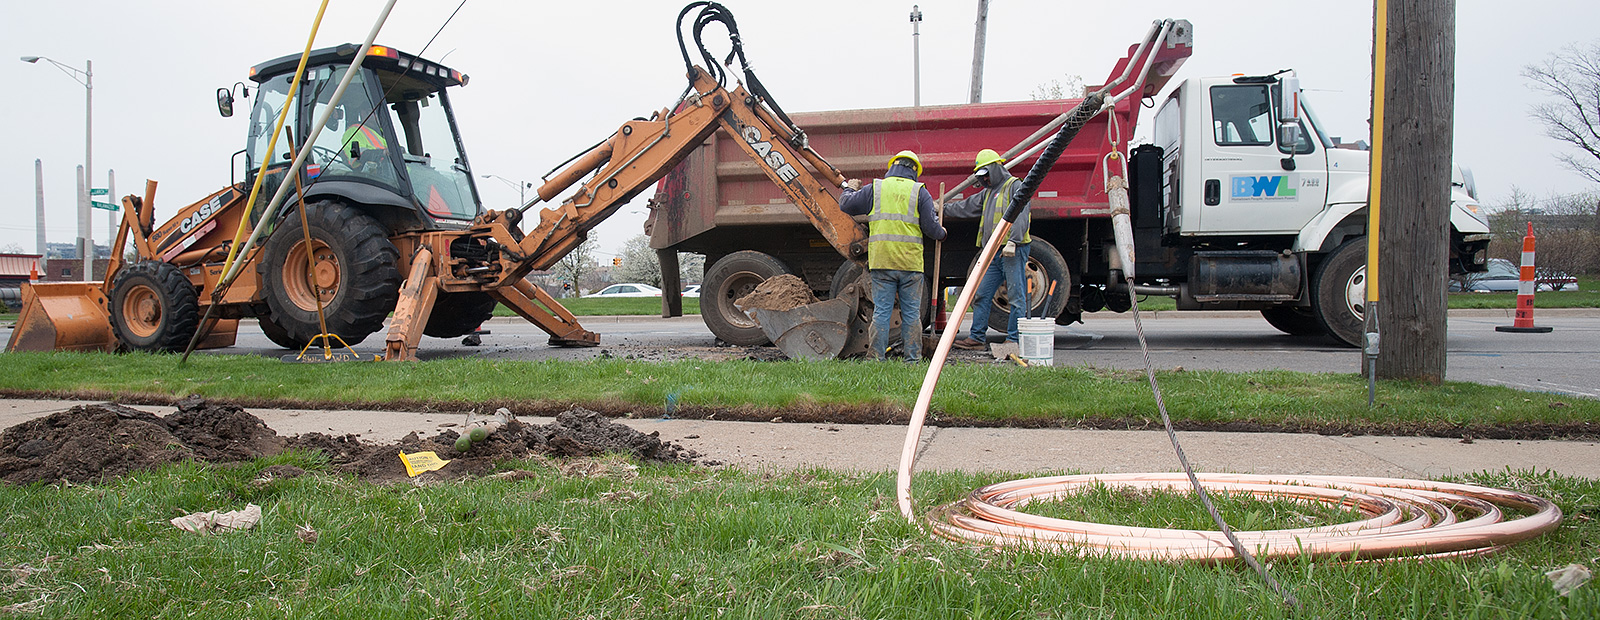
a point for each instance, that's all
(225, 102)
(1289, 117)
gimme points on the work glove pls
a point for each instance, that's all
(852, 184)
(1010, 249)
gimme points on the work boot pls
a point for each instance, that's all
(968, 344)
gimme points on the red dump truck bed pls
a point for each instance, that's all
(720, 186)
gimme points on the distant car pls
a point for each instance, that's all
(1504, 277)
(630, 289)
(693, 290)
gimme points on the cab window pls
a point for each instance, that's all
(1241, 115)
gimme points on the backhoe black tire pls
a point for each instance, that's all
(154, 308)
(1293, 321)
(1339, 293)
(1045, 265)
(734, 276)
(278, 335)
(357, 277)
(458, 314)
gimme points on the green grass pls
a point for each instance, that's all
(985, 392)
(679, 542)
(614, 306)
(1587, 295)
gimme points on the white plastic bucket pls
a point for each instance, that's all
(1037, 339)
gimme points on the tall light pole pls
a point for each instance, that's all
(85, 237)
(522, 187)
(916, 56)
(38, 234)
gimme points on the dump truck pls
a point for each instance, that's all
(385, 220)
(1227, 213)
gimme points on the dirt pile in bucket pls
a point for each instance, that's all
(89, 443)
(785, 292)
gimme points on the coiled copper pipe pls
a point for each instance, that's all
(1401, 518)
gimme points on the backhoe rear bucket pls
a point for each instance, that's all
(811, 332)
(63, 316)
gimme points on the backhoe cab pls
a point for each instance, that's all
(391, 142)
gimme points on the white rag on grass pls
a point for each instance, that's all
(213, 521)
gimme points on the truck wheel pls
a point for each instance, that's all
(1045, 265)
(154, 308)
(1340, 292)
(734, 276)
(1293, 321)
(458, 314)
(278, 335)
(355, 275)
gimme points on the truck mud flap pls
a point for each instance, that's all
(63, 316)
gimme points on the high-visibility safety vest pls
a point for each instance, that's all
(995, 204)
(364, 137)
(894, 234)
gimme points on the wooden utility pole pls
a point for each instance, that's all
(980, 32)
(1413, 239)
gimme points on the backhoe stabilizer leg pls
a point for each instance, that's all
(547, 314)
(411, 313)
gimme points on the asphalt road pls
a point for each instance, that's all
(1564, 361)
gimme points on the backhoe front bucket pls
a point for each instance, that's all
(63, 316)
(811, 332)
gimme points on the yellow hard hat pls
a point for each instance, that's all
(915, 162)
(986, 157)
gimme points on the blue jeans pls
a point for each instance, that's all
(1016, 290)
(889, 285)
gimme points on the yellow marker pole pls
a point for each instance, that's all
(272, 142)
(1380, 49)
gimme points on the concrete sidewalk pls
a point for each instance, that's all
(776, 445)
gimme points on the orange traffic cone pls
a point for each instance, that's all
(33, 272)
(1523, 323)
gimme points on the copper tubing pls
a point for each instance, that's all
(1414, 518)
(1401, 518)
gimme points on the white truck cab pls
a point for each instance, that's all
(1263, 211)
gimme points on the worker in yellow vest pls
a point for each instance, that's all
(900, 212)
(990, 204)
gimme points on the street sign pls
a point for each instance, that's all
(99, 191)
(103, 205)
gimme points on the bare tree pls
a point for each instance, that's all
(1057, 89)
(1567, 227)
(12, 248)
(1572, 77)
(577, 265)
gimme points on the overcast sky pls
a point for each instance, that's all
(549, 79)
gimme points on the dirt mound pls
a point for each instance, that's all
(93, 442)
(785, 292)
(578, 432)
(221, 432)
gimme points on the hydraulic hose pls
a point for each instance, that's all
(1079, 116)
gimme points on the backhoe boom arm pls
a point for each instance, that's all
(643, 151)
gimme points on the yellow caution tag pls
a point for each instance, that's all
(421, 462)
